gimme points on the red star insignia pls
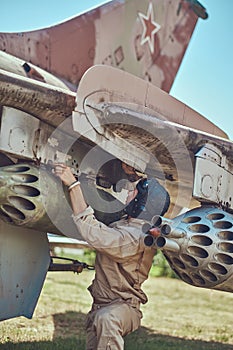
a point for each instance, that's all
(150, 27)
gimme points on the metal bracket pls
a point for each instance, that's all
(74, 265)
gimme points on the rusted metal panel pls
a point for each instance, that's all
(72, 46)
(48, 103)
(31, 47)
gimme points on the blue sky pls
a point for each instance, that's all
(205, 78)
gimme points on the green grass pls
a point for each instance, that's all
(177, 317)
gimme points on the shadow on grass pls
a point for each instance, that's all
(69, 334)
(69, 325)
(145, 339)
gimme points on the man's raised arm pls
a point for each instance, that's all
(76, 196)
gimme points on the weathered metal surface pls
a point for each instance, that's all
(159, 136)
(101, 84)
(147, 38)
(24, 261)
(48, 103)
(128, 125)
(24, 136)
(213, 177)
(12, 64)
(202, 255)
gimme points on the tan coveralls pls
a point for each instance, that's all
(122, 265)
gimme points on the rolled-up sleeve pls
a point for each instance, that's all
(86, 212)
(111, 241)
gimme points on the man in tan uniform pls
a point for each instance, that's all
(122, 261)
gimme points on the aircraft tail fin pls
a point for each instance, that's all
(146, 38)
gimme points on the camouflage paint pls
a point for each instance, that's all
(119, 33)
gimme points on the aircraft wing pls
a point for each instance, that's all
(146, 128)
(161, 137)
